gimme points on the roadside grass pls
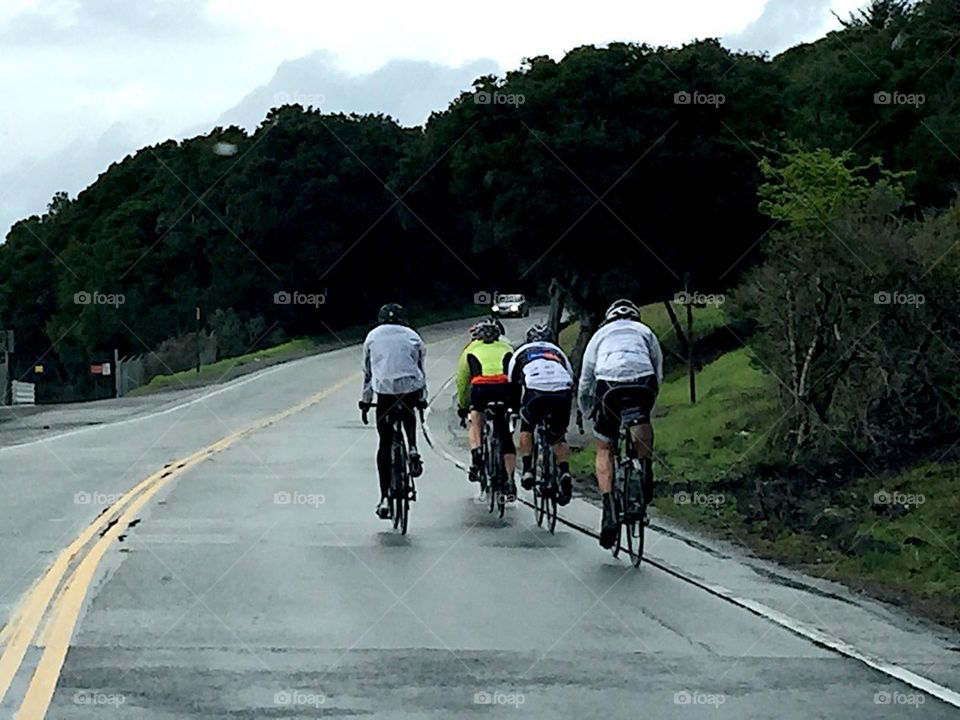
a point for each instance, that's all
(228, 368)
(893, 535)
(906, 539)
(218, 370)
(701, 443)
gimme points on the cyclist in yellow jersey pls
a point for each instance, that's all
(482, 379)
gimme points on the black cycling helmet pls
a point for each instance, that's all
(539, 333)
(486, 330)
(392, 313)
(621, 310)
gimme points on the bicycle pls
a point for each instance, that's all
(493, 474)
(630, 533)
(546, 485)
(403, 490)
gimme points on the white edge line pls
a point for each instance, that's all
(818, 637)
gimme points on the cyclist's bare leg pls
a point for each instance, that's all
(643, 440)
(410, 428)
(476, 426)
(525, 444)
(510, 463)
(604, 467)
(562, 451)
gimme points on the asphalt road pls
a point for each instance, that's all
(252, 580)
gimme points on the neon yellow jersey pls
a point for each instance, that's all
(482, 362)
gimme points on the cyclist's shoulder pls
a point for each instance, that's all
(621, 329)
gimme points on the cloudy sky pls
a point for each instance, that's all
(85, 82)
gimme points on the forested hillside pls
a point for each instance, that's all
(626, 170)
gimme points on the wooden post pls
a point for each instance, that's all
(691, 340)
(690, 356)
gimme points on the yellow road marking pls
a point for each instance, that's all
(27, 618)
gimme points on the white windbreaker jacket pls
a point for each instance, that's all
(393, 357)
(620, 351)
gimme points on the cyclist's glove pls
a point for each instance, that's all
(364, 409)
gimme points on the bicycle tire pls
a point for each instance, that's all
(492, 448)
(400, 500)
(538, 509)
(618, 543)
(639, 530)
(553, 488)
(638, 541)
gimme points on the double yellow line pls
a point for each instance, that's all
(20, 631)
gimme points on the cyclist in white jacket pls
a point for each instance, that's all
(393, 369)
(622, 368)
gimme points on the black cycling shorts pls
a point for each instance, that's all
(538, 404)
(614, 397)
(482, 395)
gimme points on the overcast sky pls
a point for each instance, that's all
(85, 82)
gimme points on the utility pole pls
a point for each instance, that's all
(197, 333)
(6, 338)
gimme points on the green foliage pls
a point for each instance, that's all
(603, 179)
(813, 187)
(857, 321)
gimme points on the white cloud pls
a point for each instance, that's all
(72, 69)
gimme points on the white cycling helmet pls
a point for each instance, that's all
(622, 310)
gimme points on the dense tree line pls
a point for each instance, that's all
(626, 170)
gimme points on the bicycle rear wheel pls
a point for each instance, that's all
(618, 505)
(538, 510)
(403, 506)
(400, 486)
(493, 467)
(552, 487)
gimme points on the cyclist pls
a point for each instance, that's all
(482, 379)
(543, 372)
(623, 351)
(393, 368)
